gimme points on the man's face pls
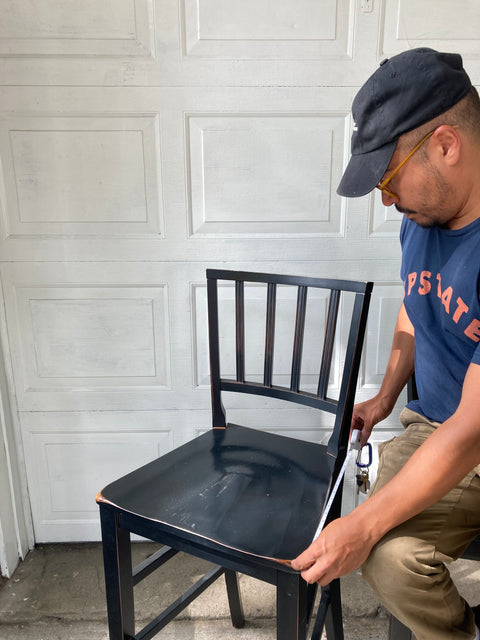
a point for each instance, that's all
(419, 191)
(430, 203)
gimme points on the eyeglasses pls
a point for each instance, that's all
(382, 185)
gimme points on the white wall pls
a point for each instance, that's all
(142, 141)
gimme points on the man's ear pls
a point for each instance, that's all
(447, 143)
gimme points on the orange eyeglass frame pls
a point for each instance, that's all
(382, 185)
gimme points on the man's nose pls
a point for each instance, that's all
(388, 199)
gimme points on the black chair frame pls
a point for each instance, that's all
(295, 598)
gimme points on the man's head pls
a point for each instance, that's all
(406, 91)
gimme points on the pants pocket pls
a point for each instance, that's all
(381, 457)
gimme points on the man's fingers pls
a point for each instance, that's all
(357, 422)
(315, 573)
(304, 561)
(311, 564)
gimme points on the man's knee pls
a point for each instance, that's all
(396, 564)
(415, 585)
(382, 565)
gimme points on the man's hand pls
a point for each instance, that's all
(367, 414)
(340, 548)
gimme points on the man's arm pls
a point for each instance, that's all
(436, 467)
(399, 369)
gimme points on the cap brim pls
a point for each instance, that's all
(365, 170)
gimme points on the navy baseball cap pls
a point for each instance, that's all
(405, 92)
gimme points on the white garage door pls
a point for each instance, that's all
(142, 141)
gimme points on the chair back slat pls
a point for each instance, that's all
(240, 329)
(269, 334)
(298, 338)
(330, 333)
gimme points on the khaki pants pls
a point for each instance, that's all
(407, 568)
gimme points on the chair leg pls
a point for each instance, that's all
(292, 606)
(234, 599)
(311, 597)
(322, 611)
(334, 618)
(117, 561)
(398, 631)
(329, 613)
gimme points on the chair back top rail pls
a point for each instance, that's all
(307, 281)
(293, 392)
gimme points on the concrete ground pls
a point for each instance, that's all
(58, 593)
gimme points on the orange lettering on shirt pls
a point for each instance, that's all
(425, 285)
(446, 298)
(412, 278)
(473, 330)
(439, 288)
(460, 310)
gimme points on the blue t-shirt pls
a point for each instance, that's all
(441, 275)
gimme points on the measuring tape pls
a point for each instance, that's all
(355, 445)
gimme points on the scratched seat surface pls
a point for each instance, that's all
(246, 489)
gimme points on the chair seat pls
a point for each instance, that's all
(472, 552)
(249, 490)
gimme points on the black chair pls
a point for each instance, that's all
(397, 630)
(247, 499)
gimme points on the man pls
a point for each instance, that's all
(417, 138)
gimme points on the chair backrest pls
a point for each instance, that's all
(350, 332)
(412, 388)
